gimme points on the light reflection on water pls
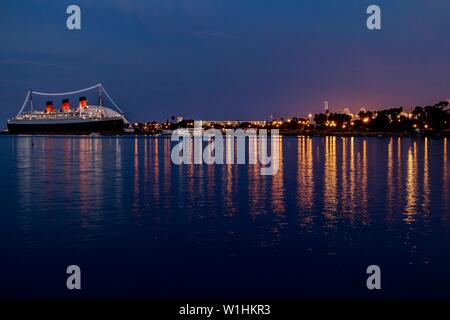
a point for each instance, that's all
(333, 177)
(329, 195)
(445, 182)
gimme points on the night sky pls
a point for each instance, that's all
(228, 59)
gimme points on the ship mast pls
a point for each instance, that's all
(100, 98)
(31, 100)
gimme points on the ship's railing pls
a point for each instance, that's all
(95, 113)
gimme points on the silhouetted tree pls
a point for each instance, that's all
(320, 119)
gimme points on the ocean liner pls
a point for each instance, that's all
(82, 119)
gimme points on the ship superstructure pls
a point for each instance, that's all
(84, 118)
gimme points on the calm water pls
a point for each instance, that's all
(141, 227)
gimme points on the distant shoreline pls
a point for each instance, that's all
(437, 135)
(374, 134)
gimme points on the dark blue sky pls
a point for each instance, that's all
(228, 59)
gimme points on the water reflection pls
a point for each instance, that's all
(401, 171)
(84, 183)
(426, 179)
(330, 182)
(390, 185)
(335, 203)
(322, 182)
(136, 179)
(118, 174)
(445, 182)
(411, 184)
(351, 193)
(24, 163)
(277, 188)
(167, 172)
(365, 218)
(154, 174)
(255, 196)
(305, 180)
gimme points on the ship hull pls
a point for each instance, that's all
(82, 127)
